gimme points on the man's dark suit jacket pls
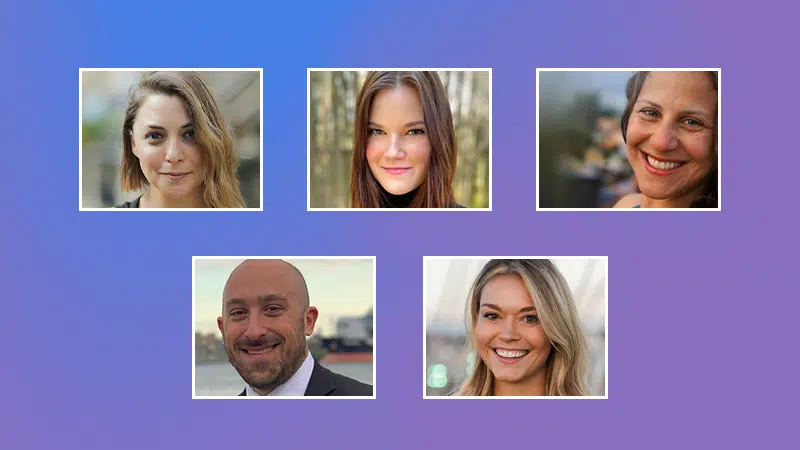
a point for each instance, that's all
(325, 382)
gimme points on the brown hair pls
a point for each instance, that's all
(632, 90)
(214, 137)
(436, 190)
(567, 365)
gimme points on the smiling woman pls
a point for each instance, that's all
(177, 144)
(524, 329)
(670, 127)
(404, 146)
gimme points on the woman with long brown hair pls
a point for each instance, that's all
(177, 145)
(404, 146)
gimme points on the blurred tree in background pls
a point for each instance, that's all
(332, 112)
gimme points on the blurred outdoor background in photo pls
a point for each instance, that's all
(332, 112)
(582, 159)
(104, 101)
(341, 289)
(447, 284)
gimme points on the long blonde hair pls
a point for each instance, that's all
(214, 136)
(567, 365)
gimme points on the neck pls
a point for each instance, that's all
(154, 199)
(533, 386)
(684, 201)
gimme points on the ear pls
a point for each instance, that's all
(220, 326)
(311, 320)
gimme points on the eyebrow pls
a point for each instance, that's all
(695, 112)
(156, 127)
(261, 299)
(492, 306)
(409, 124)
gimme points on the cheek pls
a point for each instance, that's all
(419, 152)
(699, 147)
(637, 130)
(374, 151)
(483, 335)
(195, 155)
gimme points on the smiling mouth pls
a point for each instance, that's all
(176, 174)
(397, 170)
(510, 355)
(660, 166)
(256, 351)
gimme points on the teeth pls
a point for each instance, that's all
(508, 354)
(662, 164)
(259, 352)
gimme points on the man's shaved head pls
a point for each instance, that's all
(264, 269)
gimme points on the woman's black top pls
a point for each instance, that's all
(131, 204)
(400, 201)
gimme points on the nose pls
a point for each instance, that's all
(256, 327)
(175, 152)
(664, 137)
(509, 330)
(395, 149)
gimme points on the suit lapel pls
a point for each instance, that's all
(321, 382)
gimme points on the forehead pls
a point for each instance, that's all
(251, 282)
(401, 105)
(168, 111)
(679, 89)
(506, 291)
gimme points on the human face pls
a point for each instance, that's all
(398, 149)
(264, 323)
(163, 140)
(509, 336)
(670, 141)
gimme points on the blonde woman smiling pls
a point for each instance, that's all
(524, 329)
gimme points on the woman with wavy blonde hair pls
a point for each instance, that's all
(524, 329)
(176, 144)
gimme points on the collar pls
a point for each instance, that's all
(295, 386)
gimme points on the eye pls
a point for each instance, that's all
(490, 316)
(238, 313)
(153, 136)
(375, 132)
(416, 131)
(273, 310)
(649, 112)
(189, 135)
(530, 319)
(693, 123)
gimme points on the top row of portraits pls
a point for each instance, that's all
(398, 139)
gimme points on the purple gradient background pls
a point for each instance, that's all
(97, 338)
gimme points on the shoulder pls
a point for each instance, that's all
(130, 204)
(349, 386)
(629, 201)
(342, 385)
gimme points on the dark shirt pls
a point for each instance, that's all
(401, 201)
(131, 204)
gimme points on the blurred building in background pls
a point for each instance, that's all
(104, 101)
(332, 113)
(447, 284)
(582, 157)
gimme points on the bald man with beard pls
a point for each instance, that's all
(266, 317)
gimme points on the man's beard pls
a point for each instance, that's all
(267, 375)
